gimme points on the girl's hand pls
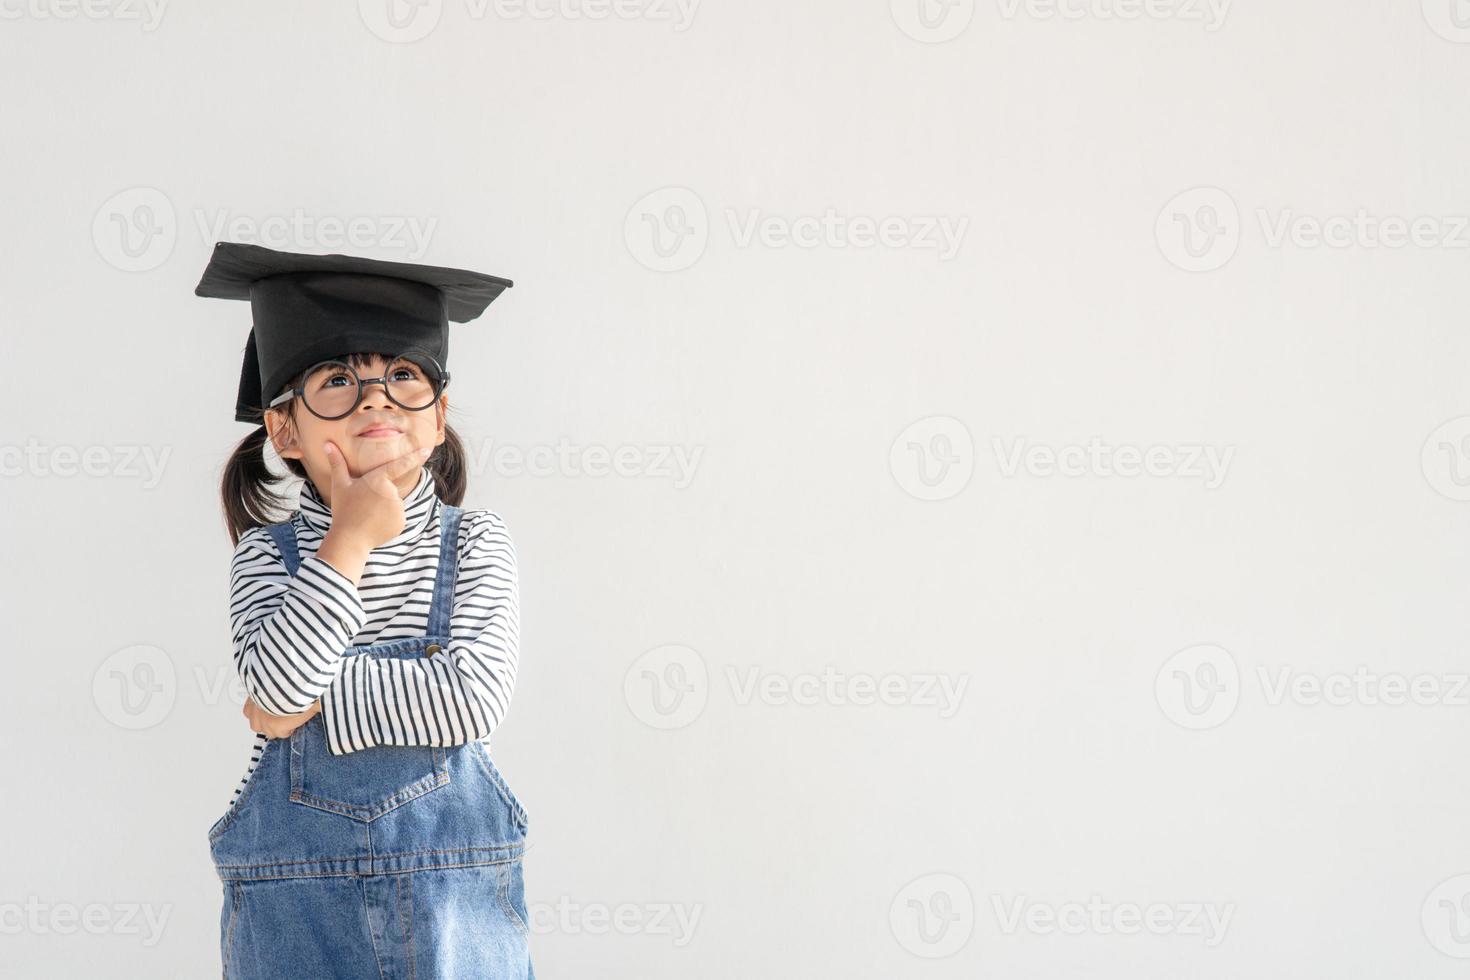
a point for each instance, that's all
(277, 726)
(368, 509)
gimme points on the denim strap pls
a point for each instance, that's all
(443, 603)
(285, 537)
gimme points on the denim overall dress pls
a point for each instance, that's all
(388, 862)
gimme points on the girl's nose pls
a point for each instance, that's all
(375, 394)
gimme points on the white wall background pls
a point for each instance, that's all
(1234, 232)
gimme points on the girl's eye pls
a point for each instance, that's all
(404, 374)
(336, 380)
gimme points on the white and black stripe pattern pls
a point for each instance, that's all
(289, 634)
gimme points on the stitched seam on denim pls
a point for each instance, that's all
(359, 857)
(251, 782)
(505, 903)
(394, 871)
(234, 887)
(405, 922)
(368, 813)
(367, 917)
(501, 786)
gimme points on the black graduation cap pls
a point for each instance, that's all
(309, 308)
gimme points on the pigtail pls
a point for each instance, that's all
(248, 489)
(447, 464)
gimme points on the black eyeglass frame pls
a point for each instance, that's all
(441, 381)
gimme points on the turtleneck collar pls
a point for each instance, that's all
(419, 508)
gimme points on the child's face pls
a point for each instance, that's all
(373, 433)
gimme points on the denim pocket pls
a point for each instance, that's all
(512, 890)
(501, 786)
(253, 780)
(365, 784)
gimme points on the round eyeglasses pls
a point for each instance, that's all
(332, 390)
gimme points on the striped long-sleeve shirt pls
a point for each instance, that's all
(289, 634)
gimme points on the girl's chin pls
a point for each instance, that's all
(373, 452)
(382, 445)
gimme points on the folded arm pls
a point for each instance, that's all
(459, 694)
(289, 633)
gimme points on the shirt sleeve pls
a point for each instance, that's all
(452, 697)
(288, 633)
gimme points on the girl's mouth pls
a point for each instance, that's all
(379, 432)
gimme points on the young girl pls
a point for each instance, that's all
(376, 633)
